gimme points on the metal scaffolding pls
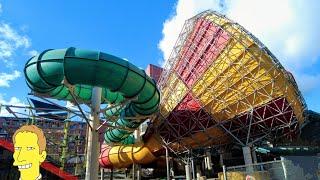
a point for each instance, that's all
(221, 85)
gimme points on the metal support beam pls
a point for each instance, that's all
(237, 139)
(65, 141)
(208, 160)
(167, 163)
(138, 171)
(192, 168)
(133, 171)
(111, 174)
(188, 173)
(250, 123)
(92, 164)
(11, 112)
(101, 173)
(224, 172)
(247, 158)
(221, 159)
(81, 111)
(254, 156)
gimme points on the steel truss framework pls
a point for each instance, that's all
(222, 85)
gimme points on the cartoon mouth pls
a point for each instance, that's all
(27, 166)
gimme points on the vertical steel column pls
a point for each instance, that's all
(284, 168)
(224, 172)
(92, 164)
(77, 164)
(167, 163)
(221, 156)
(137, 167)
(133, 171)
(208, 160)
(138, 172)
(65, 141)
(102, 173)
(111, 174)
(247, 158)
(254, 156)
(188, 173)
(192, 166)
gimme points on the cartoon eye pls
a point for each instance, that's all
(17, 148)
(30, 148)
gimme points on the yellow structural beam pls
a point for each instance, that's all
(242, 77)
(172, 94)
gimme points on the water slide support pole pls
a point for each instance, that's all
(209, 160)
(65, 141)
(133, 171)
(92, 163)
(102, 173)
(167, 163)
(192, 168)
(254, 155)
(138, 172)
(247, 158)
(188, 173)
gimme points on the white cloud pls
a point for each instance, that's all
(33, 53)
(185, 9)
(289, 28)
(10, 41)
(12, 101)
(5, 78)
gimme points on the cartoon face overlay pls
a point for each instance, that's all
(28, 155)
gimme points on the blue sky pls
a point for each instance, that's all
(128, 29)
(144, 32)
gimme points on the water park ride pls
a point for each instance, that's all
(220, 85)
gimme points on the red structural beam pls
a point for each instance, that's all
(201, 48)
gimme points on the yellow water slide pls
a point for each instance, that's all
(120, 156)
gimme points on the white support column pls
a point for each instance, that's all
(92, 164)
(102, 173)
(133, 171)
(138, 172)
(224, 172)
(167, 163)
(247, 158)
(208, 160)
(136, 134)
(192, 168)
(205, 163)
(284, 168)
(188, 172)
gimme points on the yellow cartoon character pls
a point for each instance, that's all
(29, 151)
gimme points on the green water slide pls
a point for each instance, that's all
(49, 74)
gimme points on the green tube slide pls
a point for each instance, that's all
(46, 73)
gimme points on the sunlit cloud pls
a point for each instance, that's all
(6, 78)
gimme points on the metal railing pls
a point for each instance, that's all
(266, 170)
(273, 170)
